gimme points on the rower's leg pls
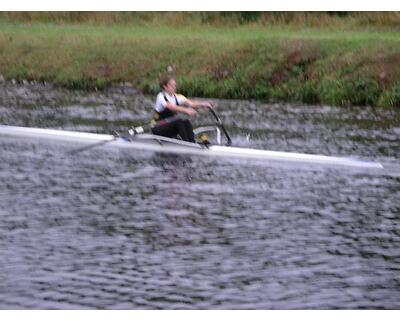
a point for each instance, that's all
(185, 130)
(189, 129)
(169, 130)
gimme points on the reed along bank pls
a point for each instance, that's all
(338, 64)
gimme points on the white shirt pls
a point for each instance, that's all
(161, 104)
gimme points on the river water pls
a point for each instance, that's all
(111, 229)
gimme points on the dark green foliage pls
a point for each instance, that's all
(339, 13)
(365, 91)
(242, 16)
(391, 97)
(85, 84)
(248, 16)
(308, 93)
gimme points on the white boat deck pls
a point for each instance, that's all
(161, 144)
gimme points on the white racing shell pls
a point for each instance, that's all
(162, 144)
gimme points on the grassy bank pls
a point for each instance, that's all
(335, 20)
(272, 63)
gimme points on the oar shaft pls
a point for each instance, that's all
(97, 144)
(219, 122)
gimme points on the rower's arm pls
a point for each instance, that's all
(176, 108)
(197, 104)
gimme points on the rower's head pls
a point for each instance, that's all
(168, 84)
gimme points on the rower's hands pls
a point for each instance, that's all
(207, 105)
(191, 112)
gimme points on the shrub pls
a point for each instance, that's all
(365, 92)
(85, 84)
(336, 92)
(391, 97)
(345, 92)
(308, 93)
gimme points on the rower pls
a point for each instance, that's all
(168, 105)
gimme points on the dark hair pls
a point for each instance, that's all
(164, 81)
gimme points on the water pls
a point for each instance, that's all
(112, 229)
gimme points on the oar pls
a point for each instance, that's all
(97, 144)
(219, 122)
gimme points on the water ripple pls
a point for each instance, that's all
(106, 229)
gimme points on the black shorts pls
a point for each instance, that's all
(181, 127)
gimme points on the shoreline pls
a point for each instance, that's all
(275, 65)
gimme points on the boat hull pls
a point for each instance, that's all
(162, 144)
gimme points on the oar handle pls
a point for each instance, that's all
(219, 122)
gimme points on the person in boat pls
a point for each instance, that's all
(168, 105)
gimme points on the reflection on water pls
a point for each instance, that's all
(120, 229)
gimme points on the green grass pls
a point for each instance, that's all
(273, 63)
(333, 20)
